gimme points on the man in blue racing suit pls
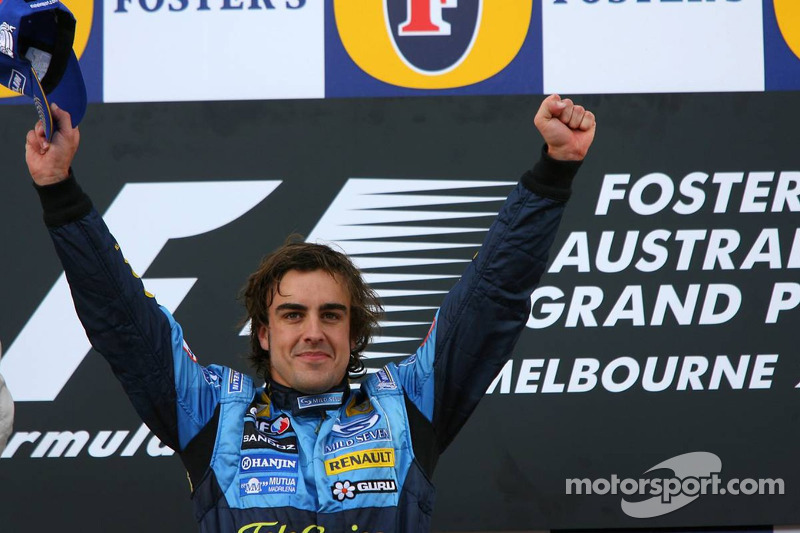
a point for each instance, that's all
(304, 453)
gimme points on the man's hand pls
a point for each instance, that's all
(49, 162)
(568, 129)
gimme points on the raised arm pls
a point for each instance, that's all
(480, 320)
(144, 345)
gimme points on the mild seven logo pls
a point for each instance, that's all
(348, 429)
(331, 398)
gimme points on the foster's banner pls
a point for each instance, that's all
(213, 50)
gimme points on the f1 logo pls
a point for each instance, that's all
(425, 18)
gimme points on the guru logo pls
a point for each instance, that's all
(432, 44)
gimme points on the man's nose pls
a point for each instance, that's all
(313, 332)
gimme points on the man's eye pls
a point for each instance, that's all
(292, 316)
(332, 316)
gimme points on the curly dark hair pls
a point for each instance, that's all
(258, 293)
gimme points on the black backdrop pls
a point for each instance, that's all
(507, 469)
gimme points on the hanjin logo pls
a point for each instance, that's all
(7, 39)
(267, 463)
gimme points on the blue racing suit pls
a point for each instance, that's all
(270, 459)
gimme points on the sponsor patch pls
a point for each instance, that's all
(7, 39)
(377, 458)
(280, 425)
(320, 400)
(352, 427)
(17, 82)
(276, 426)
(234, 382)
(268, 463)
(267, 485)
(350, 489)
(373, 435)
(385, 380)
(211, 377)
(255, 440)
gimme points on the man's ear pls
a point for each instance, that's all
(263, 337)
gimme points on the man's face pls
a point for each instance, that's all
(308, 336)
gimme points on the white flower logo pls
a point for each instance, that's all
(343, 490)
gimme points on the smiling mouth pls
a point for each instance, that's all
(313, 356)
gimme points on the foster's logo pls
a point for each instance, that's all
(432, 44)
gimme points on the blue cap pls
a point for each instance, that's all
(36, 57)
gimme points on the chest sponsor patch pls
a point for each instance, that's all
(348, 428)
(268, 462)
(376, 458)
(211, 377)
(359, 431)
(279, 425)
(267, 485)
(320, 400)
(385, 380)
(350, 489)
(255, 440)
(234, 382)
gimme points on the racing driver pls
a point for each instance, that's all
(304, 452)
